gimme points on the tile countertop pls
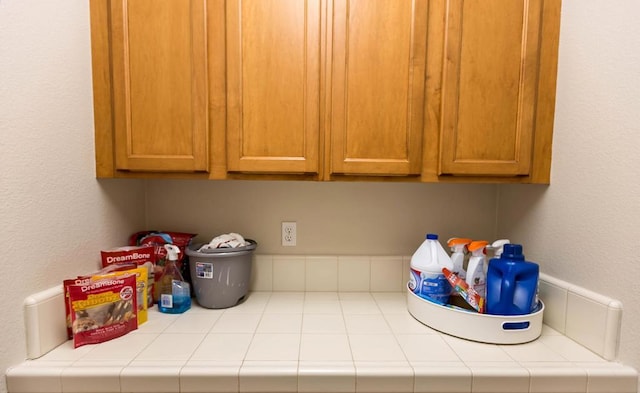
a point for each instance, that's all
(315, 342)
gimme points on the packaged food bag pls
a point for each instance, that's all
(103, 309)
(140, 274)
(144, 255)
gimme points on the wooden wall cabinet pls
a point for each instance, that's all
(150, 83)
(415, 90)
(492, 92)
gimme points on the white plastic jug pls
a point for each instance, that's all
(425, 277)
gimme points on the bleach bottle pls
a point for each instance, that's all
(512, 283)
(426, 278)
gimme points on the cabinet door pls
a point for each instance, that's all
(489, 87)
(377, 86)
(159, 85)
(273, 85)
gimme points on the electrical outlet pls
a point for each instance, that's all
(288, 233)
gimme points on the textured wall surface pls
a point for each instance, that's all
(584, 228)
(332, 218)
(55, 215)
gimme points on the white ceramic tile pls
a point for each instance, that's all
(366, 324)
(356, 296)
(586, 322)
(555, 302)
(326, 377)
(555, 377)
(391, 302)
(262, 273)
(611, 379)
(441, 377)
(321, 274)
(126, 347)
(236, 323)
(194, 322)
(386, 274)
(157, 322)
(359, 307)
(426, 348)
(269, 377)
(375, 348)
(223, 347)
(254, 303)
(288, 273)
(325, 347)
(613, 326)
(570, 349)
(406, 263)
(150, 379)
(44, 321)
(354, 274)
(534, 351)
(171, 347)
(323, 323)
(277, 347)
(319, 307)
(321, 297)
(97, 379)
(383, 377)
(501, 377)
(34, 379)
(66, 352)
(405, 323)
(285, 303)
(280, 323)
(210, 377)
(470, 351)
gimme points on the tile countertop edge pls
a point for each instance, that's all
(570, 356)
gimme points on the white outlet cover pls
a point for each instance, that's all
(288, 233)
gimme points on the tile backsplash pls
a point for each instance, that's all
(590, 319)
(330, 273)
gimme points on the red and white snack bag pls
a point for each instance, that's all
(102, 310)
(144, 255)
(128, 254)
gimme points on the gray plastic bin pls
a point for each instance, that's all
(220, 277)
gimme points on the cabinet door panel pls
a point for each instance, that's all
(489, 92)
(378, 71)
(159, 85)
(273, 74)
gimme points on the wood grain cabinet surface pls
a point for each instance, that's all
(409, 90)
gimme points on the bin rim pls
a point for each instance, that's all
(192, 249)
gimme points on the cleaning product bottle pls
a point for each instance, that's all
(496, 249)
(512, 283)
(426, 278)
(458, 246)
(498, 246)
(476, 277)
(175, 297)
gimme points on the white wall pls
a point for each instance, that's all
(585, 227)
(55, 215)
(332, 217)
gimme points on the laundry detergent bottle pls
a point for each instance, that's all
(512, 283)
(476, 277)
(175, 294)
(426, 278)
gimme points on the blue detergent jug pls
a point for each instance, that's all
(512, 283)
